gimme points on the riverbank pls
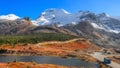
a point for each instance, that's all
(29, 65)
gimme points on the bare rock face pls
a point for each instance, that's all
(15, 26)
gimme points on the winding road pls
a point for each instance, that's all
(101, 57)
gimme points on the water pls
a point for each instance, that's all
(49, 60)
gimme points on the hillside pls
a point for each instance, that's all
(34, 38)
(101, 29)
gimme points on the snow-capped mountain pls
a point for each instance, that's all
(56, 16)
(61, 17)
(9, 17)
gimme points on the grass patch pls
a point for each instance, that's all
(34, 38)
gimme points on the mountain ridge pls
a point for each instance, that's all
(61, 17)
(101, 29)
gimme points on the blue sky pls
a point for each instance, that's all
(33, 8)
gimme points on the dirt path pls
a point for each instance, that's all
(58, 42)
(100, 57)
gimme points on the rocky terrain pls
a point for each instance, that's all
(35, 65)
(115, 58)
(72, 48)
(101, 29)
(29, 65)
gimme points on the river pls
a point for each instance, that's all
(50, 60)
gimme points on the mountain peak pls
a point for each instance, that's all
(53, 16)
(9, 17)
(54, 10)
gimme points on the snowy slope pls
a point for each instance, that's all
(61, 17)
(9, 17)
(109, 23)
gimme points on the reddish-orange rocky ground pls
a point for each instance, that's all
(72, 48)
(29, 65)
(35, 65)
(51, 48)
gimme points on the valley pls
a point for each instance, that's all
(76, 48)
(65, 40)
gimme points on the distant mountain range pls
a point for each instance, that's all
(101, 29)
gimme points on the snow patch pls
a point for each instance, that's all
(115, 31)
(65, 11)
(108, 30)
(9, 17)
(34, 22)
(74, 23)
(42, 21)
(96, 26)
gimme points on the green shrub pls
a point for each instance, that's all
(34, 38)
